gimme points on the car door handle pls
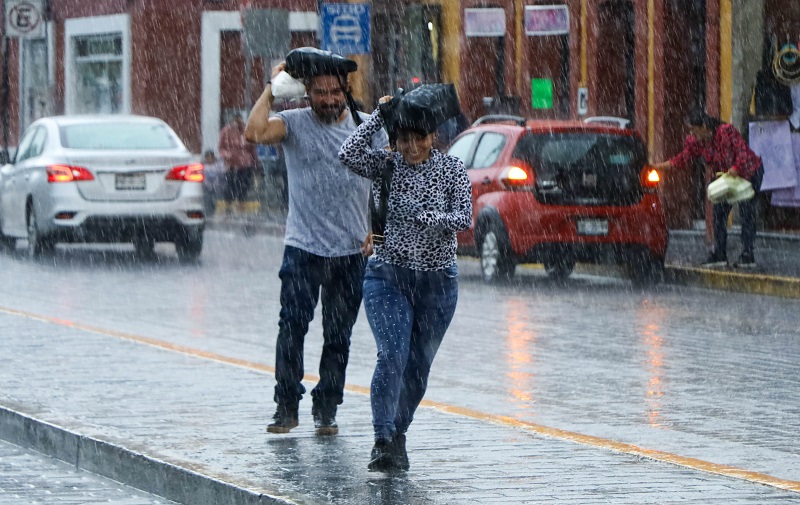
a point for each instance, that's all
(486, 181)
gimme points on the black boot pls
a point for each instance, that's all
(381, 459)
(284, 420)
(324, 420)
(399, 453)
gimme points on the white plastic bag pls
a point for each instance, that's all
(730, 188)
(287, 87)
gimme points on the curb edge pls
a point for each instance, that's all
(145, 473)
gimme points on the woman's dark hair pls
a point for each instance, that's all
(700, 118)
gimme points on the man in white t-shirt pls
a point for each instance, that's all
(326, 235)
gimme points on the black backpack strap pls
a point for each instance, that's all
(351, 102)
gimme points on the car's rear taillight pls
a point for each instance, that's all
(67, 173)
(189, 173)
(518, 175)
(650, 178)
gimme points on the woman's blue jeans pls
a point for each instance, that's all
(409, 312)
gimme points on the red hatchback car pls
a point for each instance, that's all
(557, 193)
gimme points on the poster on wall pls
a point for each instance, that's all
(546, 20)
(542, 93)
(485, 22)
(772, 142)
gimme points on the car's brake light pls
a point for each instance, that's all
(189, 173)
(66, 173)
(650, 177)
(518, 175)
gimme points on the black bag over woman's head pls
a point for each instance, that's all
(307, 62)
(422, 110)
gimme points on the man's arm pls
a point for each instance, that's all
(262, 129)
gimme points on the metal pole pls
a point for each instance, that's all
(4, 98)
(4, 87)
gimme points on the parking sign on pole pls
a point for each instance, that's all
(25, 19)
(346, 28)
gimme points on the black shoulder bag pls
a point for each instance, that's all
(378, 213)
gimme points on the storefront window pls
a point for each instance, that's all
(98, 66)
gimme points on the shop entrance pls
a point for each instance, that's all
(615, 88)
(485, 59)
(408, 53)
(684, 89)
(548, 58)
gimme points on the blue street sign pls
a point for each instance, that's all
(346, 28)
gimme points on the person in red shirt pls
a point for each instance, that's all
(240, 163)
(722, 148)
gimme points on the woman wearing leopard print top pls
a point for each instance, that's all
(410, 286)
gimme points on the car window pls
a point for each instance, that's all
(121, 135)
(574, 151)
(489, 149)
(462, 147)
(38, 143)
(32, 144)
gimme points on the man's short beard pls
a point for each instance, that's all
(329, 114)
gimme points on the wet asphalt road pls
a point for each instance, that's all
(696, 373)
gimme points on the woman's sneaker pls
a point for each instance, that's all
(382, 457)
(746, 261)
(399, 452)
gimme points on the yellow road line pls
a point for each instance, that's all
(601, 443)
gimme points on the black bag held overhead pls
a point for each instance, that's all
(424, 109)
(305, 62)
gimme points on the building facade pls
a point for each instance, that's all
(650, 61)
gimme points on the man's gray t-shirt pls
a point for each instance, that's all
(327, 202)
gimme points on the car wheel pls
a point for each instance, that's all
(646, 270)
(559, 268)
(145, 247)
(189, 246)
(497, 261)
(38, 245)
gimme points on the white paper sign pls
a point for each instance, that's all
(772, 141)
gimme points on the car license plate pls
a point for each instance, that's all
(592, 227)
(127, 182)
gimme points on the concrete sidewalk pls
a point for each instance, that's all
(777, 255)
(189, 426)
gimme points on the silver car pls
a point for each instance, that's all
(113, 178)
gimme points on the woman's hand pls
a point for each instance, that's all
(367, 247)
(385, 99)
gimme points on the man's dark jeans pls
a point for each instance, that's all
(747, 214)
(409, 312)
(303, 275)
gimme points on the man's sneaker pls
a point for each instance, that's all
(325, 421)
(381, 459)
(745, 261)
(715, 260)
(284, 420)
(399, 452)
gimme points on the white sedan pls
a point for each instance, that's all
(114, 178)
